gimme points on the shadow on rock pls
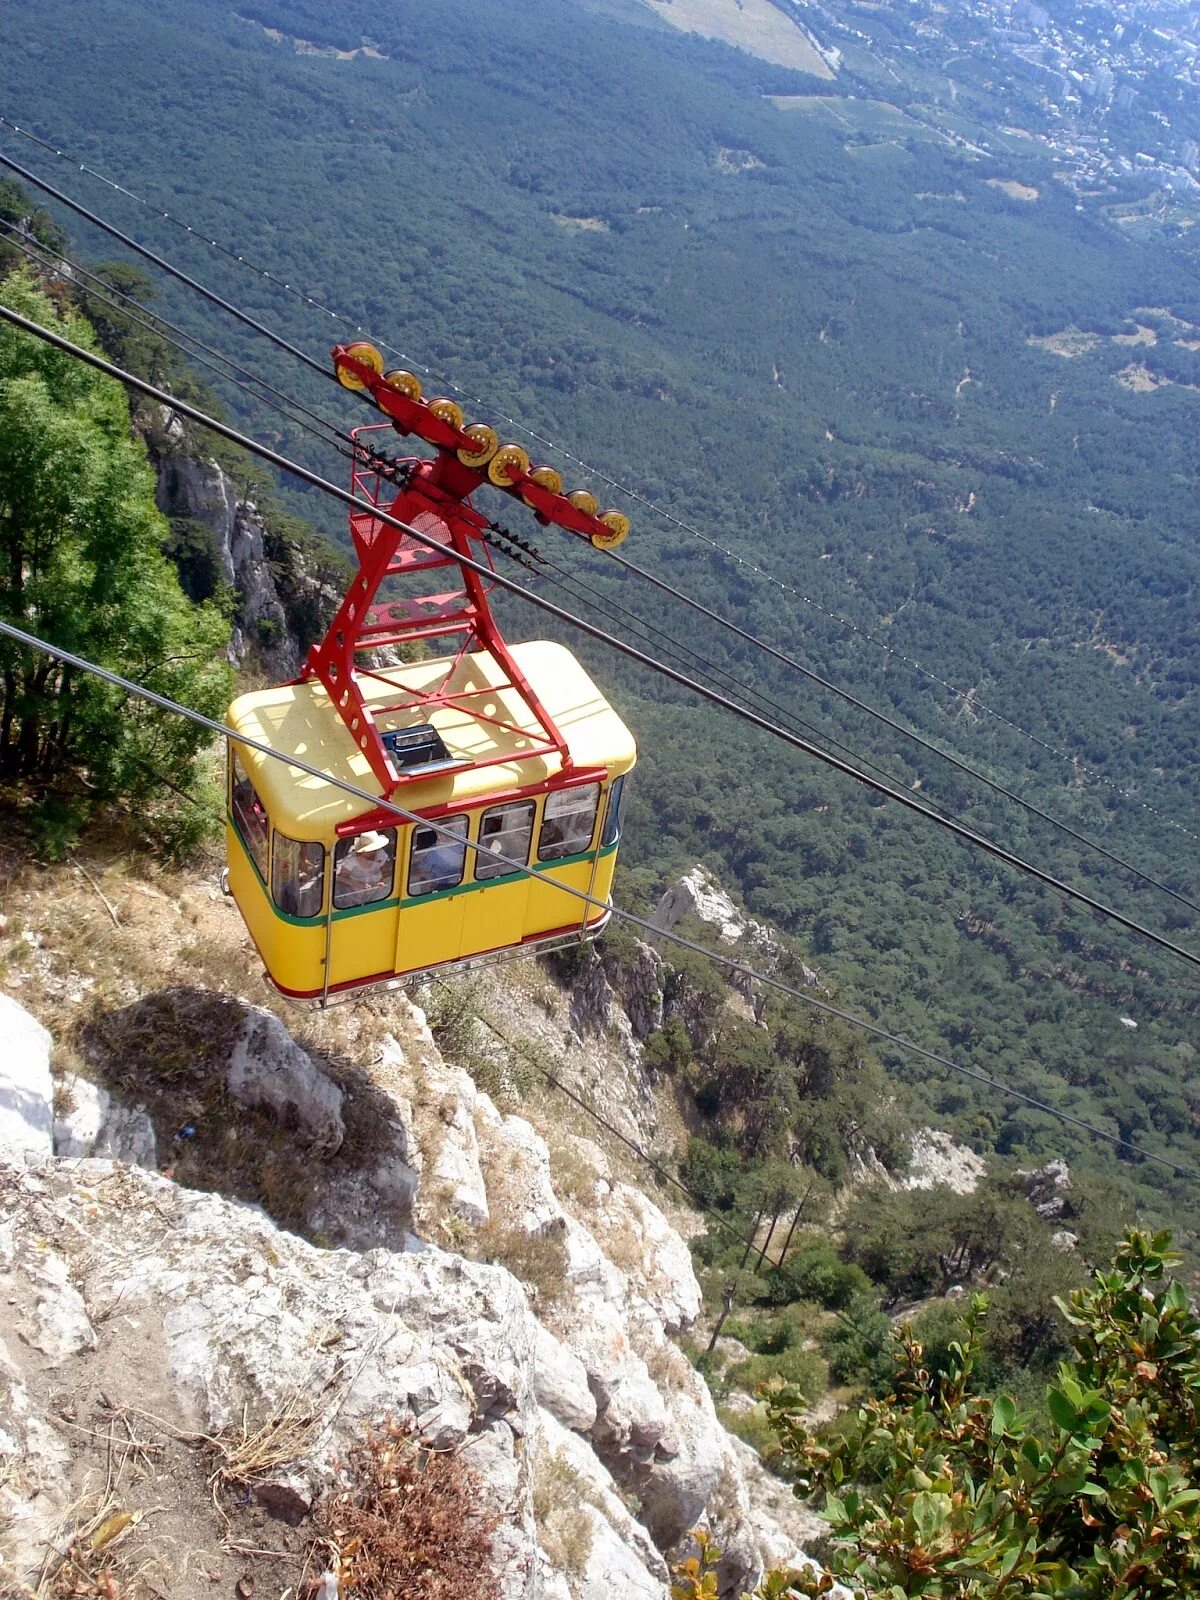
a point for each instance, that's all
(241, 1108)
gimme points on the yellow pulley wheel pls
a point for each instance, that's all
(361, 352)
(448, 411)
(584, 500)
(545, 478)
(487, 440)
(405, 383)
(509, 462)
(617, 524)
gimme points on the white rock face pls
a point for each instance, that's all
(698, 894)
(458, 1171)
(97, 1125)
(26, 1088)
(58, 1324)
(560, 1382)
(523, 1170)
(269, 1069)
(240, 1318)
(657, 1262)
(191, 487)
(937, 1160)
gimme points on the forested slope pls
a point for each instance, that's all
(817, 351)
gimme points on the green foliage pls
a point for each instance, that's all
(857, 1345)
(817, 1274)
(941, 1490)
(82, 565)
(924, 1241)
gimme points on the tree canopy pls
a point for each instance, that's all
(82, 565)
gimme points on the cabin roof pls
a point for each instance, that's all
(298, 718)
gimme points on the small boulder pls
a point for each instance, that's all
(560, 1383)
(268, 1069)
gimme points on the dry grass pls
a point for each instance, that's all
(558, 1493)
(408, 1522)
(538, 1260)
(667, 1365)
(249, 1455)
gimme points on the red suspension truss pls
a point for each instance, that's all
(433, 496)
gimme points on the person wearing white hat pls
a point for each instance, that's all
(364, 870)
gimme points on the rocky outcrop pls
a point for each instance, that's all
(698, 894)
(269, 1069)
(280, 606)
(89, 1122)
(550, 1362)
(26, 1088)
(1048, 1189)
(937, 1160)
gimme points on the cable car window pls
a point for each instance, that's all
(506, 831)
(616, 808)
(249, 815)
(436, 860)
(364, 868)
(568, 818)
(298, 876)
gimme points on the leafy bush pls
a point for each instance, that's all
(816, 1273)
(943, 1491)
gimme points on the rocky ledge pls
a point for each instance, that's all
(124, 1294)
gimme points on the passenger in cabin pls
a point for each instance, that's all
(437, 861)
(301, 894)
(364, 873)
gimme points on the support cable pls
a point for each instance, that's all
(670, 936)
(166, 266)
(968, 700)
(896, 727)
(98, 289)
(701, 690)
(729, 554)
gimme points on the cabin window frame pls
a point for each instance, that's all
(439, 842)
(483, 859)
(294, 877)
(576, 843)
(614, 816)
(240, 782)
(386, 887)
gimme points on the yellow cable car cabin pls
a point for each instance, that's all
(508, 758)
(337, 895)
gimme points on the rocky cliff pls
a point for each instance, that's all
(281, 601)
(493, 1272)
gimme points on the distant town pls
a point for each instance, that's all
(1108, 93)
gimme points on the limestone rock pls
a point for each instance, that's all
(635, 1567)
(560, 1382)
(457, 1169)
(698, 894)
(269, 1069)
(594, 1004)
(642, 991)
(26, 1087)
(655, 1260)
(97, 1125)
(937, 1159)
(519, 1166)
(1048, 1189)
(58, 1324)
